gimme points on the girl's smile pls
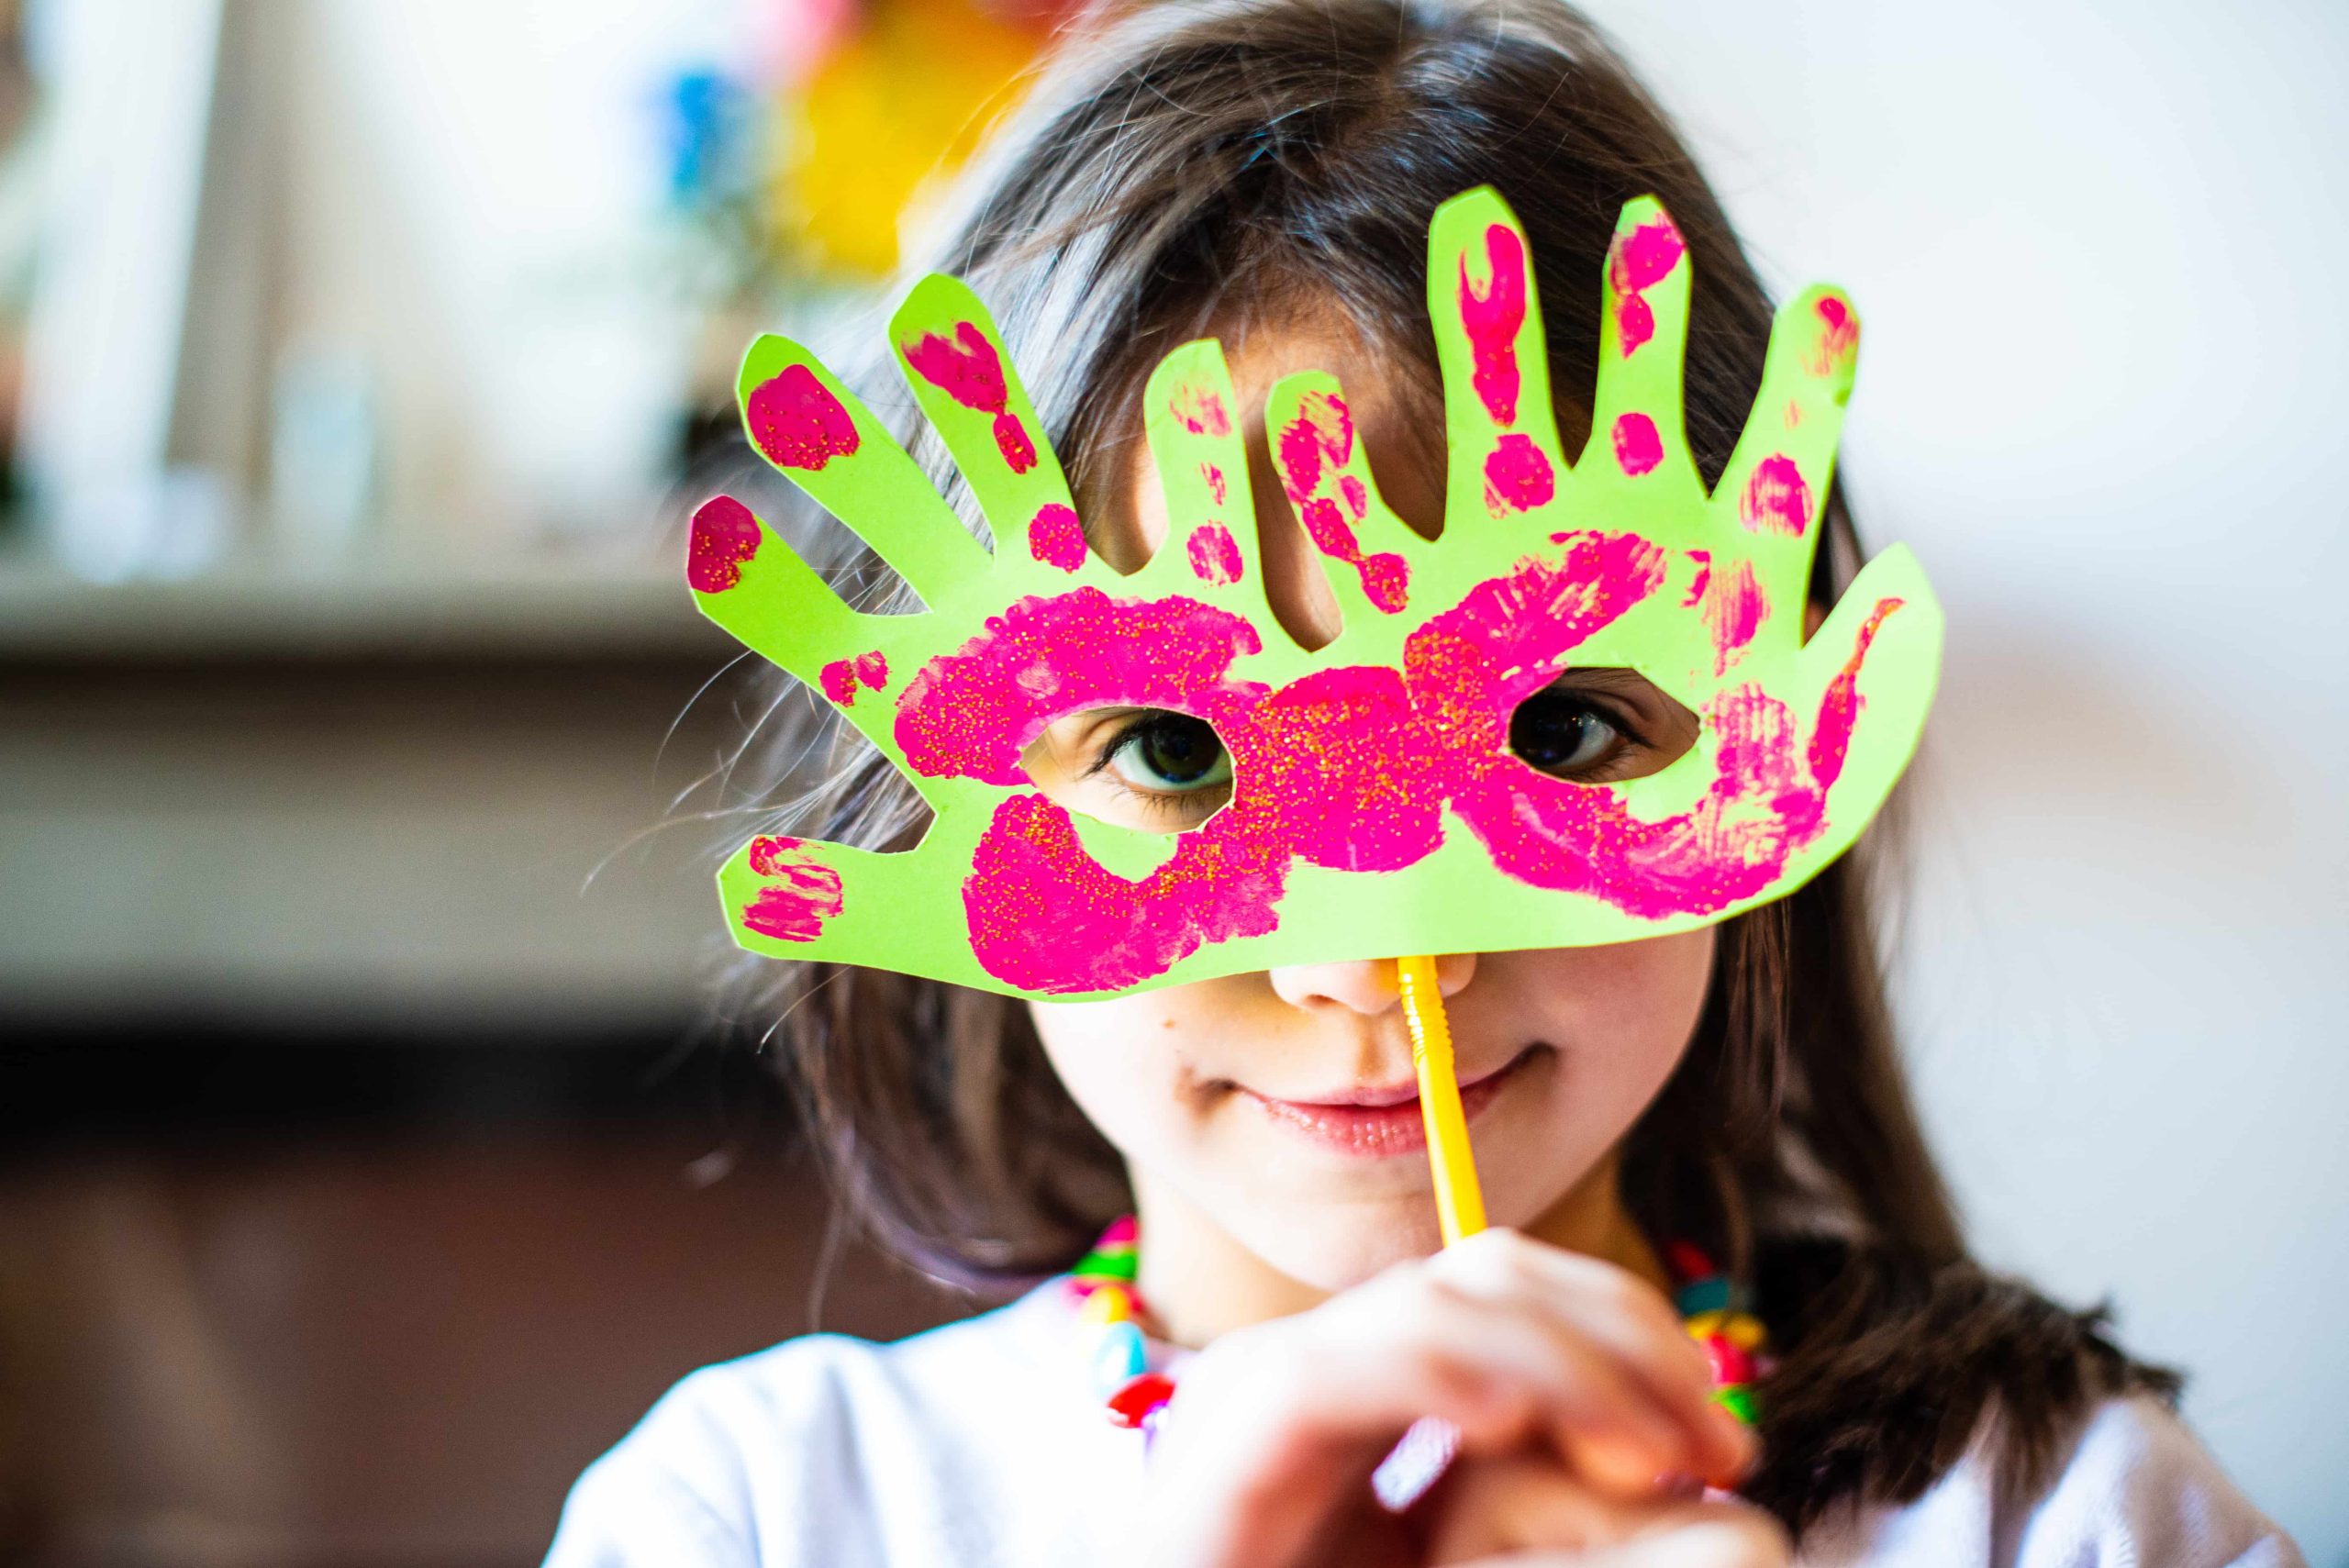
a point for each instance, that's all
(1377, 1121)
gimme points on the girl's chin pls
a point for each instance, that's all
(1342, 1245)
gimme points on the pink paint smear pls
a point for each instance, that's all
(1322, 439)
(842, 678)
(1056, 537)
(1638, 448)
(969, 370)
(1640, 261)
(803, 894)
(797, 423)
(1215, 555)
(1199, 411)
(1777, 499)
(1347, 768)
(1518, 476)
(725, 535)
(1492, 319)
(1839, 337)
(1731, 603)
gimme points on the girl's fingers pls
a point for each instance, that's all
(1593, 1305)
(1276, 1430)
(1501, 1366)
(1696, 1535)
(1485, 1507)
(1526, 1350)
(1525, 1514)
(1507, 1356)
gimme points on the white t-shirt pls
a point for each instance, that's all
(984, 1443)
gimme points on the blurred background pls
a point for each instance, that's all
(365, 1167)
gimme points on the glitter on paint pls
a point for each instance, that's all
(969, 370)
(1518, 476)
(1350, 768)
(725, 535)
(842, 678)
(797, 423)
(1056, 537)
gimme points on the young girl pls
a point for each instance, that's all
(1263, 172)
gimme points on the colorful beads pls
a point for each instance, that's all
(1140, 1398)
(1702, 1296)
(1730, 1360)
(1115, 1256)
(1687, 1261)
(1109, 1308)
(1105, 1305)
(1738, 1329)
(1119, 1356)
(1099, 1265)
(1712, 1308)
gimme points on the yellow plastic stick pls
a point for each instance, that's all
(1459, 1201)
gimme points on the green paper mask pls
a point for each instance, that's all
(1376, 807)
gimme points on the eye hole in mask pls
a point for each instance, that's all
(1147, 768)
(1600, 725)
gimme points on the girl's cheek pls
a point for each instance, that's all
(1622, 1014)
(1122, 1061)
(1659, 984)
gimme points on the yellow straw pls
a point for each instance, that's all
(1459, 1201)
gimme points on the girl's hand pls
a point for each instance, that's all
(1525, 1512)
(1266, 1457)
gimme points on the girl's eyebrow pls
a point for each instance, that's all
(1072, 731)
(1613, 677)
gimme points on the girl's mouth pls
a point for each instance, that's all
(1376, 1121)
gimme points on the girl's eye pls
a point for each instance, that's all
(1169, 753)
(1562, 733)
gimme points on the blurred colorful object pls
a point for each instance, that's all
(860, 106)
(906, 93)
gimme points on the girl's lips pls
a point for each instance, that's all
(1380, 1121)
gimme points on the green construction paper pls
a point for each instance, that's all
(1376, 811)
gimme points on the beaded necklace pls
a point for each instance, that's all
(1712, 1307)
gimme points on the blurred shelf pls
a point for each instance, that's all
(356, 609)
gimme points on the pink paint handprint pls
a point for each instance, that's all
(1373, 796)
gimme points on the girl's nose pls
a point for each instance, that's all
(1368, 986)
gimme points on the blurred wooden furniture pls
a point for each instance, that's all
(326, 1301)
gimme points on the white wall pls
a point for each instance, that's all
(2101, 254)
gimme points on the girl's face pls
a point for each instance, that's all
(1280, 1108)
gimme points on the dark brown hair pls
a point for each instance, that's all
(1190, 166)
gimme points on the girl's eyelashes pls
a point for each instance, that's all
(1172, 759)
(1563, 733)
(1594, 727)
(1153, 769)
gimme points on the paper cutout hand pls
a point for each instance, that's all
(1376, 809)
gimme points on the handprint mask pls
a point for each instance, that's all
(1376, 807)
